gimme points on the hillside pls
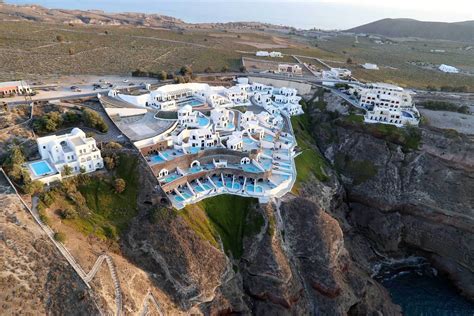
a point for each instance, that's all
(459, 31)
(35, 13)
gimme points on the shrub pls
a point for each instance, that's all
(186, 70)
(61, 237)
(68, 213)
(60, 38)
(225, 68)
(33, 187)
(67, 170)
(113, 145)
(119, 185)
(109, 163)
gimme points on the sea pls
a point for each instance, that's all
(421, 290)
(320, 14)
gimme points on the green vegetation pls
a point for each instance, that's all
(310, 162)
(167, 115)
(92, 205)
(359, 170)
(94, 120)
(408, 137)
(60, 237)
(230, 217)
(111, 212)
(19, 175)
(54, 120)
(445, 106)
(119, 185)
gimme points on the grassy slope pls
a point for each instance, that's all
(229, 217)
(309, 162)
(111, 212)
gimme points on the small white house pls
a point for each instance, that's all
(337, 73)
(276, 54)
(222, 119)
(75, 150)
(293, 69)
(262, 53)
(448, 69)
(203, 138)
(370, 66)
(234, 141)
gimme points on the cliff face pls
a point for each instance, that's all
(410, 202)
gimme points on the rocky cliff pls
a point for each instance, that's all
(407, 201)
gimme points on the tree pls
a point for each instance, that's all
(113, 145)
(119, 185)
(208, 70)
(17, 157)
(162, 75)
(94, 120)
(109, 163)
(243, 68)
(60, 38)
(225, 68)
(349, 60)
(67, 170)
(82, 169)
(186, 70)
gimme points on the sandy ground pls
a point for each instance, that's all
(463, 123)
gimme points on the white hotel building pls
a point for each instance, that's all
(388, 104)
(75, 150)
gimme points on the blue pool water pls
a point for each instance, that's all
(178, 198)
(198, 189)
(250, 188)
(231, 126)
(203, 121)
(41, 168)
(258, 189)
(186, 195)
(206, 186)
(268, 138)
(171, 178)
(219, 184)
(194, 169)
(193, 150)
(156, 159)
(251, 168)
(247, 140)
(193, 103)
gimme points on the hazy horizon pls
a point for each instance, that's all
(307, 14)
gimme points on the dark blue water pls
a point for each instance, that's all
(420, 290)
(335, 14)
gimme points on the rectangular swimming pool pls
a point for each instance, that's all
(41, 168)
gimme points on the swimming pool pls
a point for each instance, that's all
(194, 169)
(193, 103)
(170, 178)
(206, 186)
(156, 159)
(406, 114)
(247, 140)
(41, 168)
(203, 121)
(268, 138)
(251, 168)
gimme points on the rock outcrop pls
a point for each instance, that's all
(417, 201)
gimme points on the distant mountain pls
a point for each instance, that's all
(458, 31)
(37, 13)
